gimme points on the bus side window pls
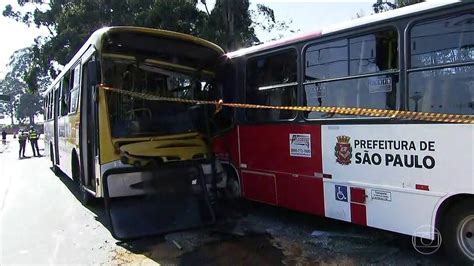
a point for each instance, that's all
(65, 94)
(271, 80)
(51, 103)
(45, 107)
(47, 102)
(442, 41)
(75, 88)
(56, 98)
(366, 67)
(61, 98)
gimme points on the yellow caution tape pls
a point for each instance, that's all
(424, 116)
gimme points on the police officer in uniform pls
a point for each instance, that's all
(33, 137)
(22, 136)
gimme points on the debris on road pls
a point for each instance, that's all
(177, 244)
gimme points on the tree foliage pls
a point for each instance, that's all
(13, 88)
(14, 85)
(29, 105)
(382, 6)
(230, 24)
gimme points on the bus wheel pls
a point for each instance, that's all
(458, 233)
(232, 185)
(54, 167)
(85, 197)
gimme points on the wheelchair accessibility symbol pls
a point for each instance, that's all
(341, 193)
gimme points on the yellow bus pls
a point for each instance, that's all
(91, 131)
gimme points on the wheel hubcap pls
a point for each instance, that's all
(465, 236)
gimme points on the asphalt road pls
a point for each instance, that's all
(43, 222)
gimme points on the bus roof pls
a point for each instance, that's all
(96, 40)
(368, 20)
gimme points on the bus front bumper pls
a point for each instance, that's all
(168, 198)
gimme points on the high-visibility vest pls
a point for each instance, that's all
(33, 134)
(22, 136)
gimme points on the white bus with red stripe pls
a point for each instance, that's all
(398, 175)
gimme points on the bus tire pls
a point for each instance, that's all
(54, 167)
(232, 189)
(51, 154)
(85, 197)
(458, 232)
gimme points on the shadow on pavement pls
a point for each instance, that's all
(97, 207)
(228, 242)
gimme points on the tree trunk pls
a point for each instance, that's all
(229, 23)
(12, 114)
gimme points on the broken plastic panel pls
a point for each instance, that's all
(172, 197)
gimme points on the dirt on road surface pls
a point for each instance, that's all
(255, 234)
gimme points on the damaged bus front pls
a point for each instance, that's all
(149, 159)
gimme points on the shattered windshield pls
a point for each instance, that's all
(134, 117)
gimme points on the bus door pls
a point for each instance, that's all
(88, 128)
(64, 127)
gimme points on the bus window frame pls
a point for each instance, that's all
(407, 48)
(62, 97)
(348, 35)
(72, 70)
(59, 96)
(47, 101)
(46, 107)
(56, 99)
(428, 18)
(298, 82)
(51, 103)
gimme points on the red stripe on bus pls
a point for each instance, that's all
(305, 194)
(266, 149)
(259, 187)
(358, 208)
(358, 214)
(358, 195)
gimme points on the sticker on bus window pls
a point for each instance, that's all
(315, 91)
(380, 84)
(300, 145)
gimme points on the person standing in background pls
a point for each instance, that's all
(4, 137)
(22, 136)
(33, 137)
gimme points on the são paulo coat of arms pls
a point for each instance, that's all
(343, 150)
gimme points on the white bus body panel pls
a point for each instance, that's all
(437, 157)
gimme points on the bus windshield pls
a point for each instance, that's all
(135, 117)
